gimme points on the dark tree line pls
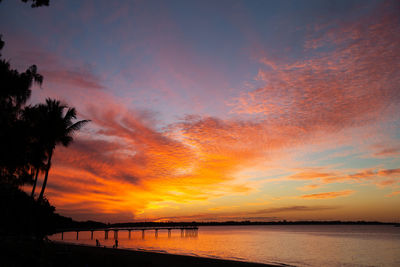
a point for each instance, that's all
(29, 135)
(36, 3)
(14, 92)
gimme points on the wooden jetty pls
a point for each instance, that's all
(185, 231)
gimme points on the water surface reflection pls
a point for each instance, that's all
(300, 245)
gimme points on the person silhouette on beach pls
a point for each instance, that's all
(97, 243)
(116, 243)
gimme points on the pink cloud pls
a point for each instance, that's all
(352, 84)
(388, 152)
(82, 79)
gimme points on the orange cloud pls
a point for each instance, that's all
(130, 167)
(386, 183)
(393, 194)
(336, 176)
(329, 195)
(309, 187)
(390, 172)
(296, 208)
(310, 175)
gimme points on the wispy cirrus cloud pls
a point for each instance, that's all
(309, 187)
(394, 193)
(389, 172)
(379, 177)
(82, 79)
(311, 175)
(297, 209)
(59, 70)
(388, 152)
(327, 195)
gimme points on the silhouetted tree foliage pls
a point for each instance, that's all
(36, 3)
(28, 137)
(15, 164)
(18, 155)
(23, 215)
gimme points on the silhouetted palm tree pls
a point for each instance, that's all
(37, 161)
(35, 150)
(58, 128)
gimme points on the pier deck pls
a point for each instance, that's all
(185, 230)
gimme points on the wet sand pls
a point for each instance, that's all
(24, 253)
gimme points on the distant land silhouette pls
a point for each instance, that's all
(68, 223)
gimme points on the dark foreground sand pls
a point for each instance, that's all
(29, 253)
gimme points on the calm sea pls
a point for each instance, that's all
(298, 245)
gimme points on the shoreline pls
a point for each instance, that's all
(55, 253)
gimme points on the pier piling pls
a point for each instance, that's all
(186, 231)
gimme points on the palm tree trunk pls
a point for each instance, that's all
(34, 183)
(46, 175)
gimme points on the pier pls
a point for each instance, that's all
(185, 231)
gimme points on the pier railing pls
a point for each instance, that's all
(185, 231)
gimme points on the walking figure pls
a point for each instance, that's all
(97, 243)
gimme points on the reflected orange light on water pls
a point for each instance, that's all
(301, 245)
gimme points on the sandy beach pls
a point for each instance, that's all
(28, 253)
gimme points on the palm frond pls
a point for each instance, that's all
(77, 126)
(70, 115)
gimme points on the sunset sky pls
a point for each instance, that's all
(219, 110)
